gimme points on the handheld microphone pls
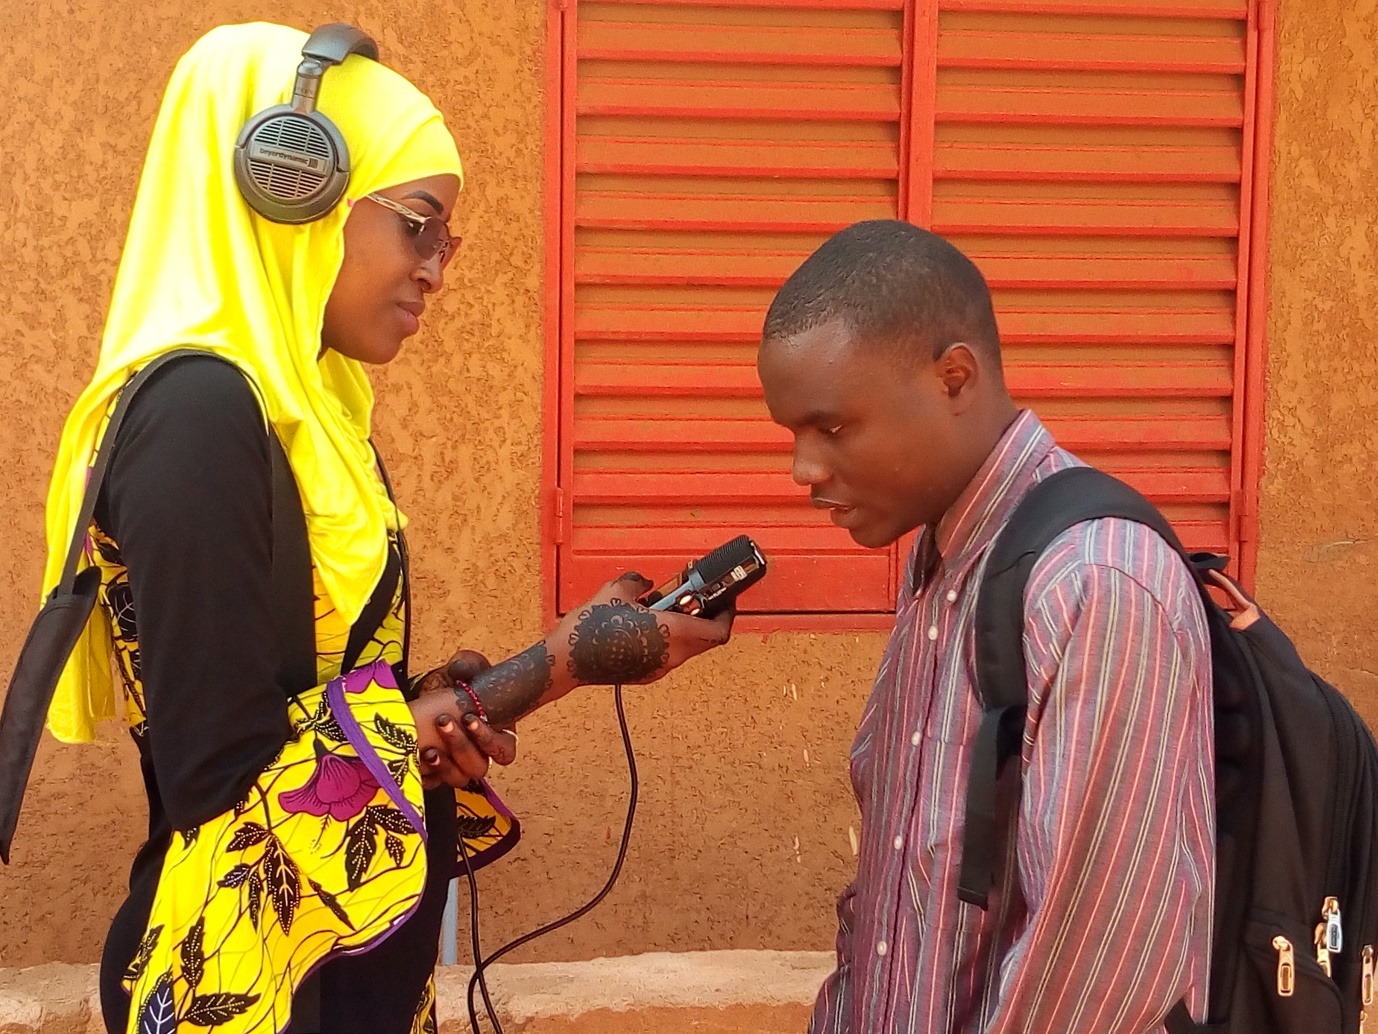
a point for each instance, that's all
(708, 586)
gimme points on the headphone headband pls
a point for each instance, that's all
(334, 42)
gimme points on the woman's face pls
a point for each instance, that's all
(381, 291)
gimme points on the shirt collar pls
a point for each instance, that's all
(988, 500)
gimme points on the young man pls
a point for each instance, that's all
(881, 356)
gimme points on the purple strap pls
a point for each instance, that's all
(357, 681)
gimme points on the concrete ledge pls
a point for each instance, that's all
(715, 992)
(51, 999)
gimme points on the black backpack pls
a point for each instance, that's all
(1296, 788)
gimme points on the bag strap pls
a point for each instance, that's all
(404, 562)
(1179, 1021)
(373, 615)
(96, 477)
(1051, 507)
(375, 611)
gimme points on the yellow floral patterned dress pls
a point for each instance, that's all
(325, 855)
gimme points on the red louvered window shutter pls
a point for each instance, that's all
(1095, 157)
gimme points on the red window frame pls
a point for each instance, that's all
(918, 124)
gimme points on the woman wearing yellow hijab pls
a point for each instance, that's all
(299, 840)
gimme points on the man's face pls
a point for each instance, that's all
(873, 438)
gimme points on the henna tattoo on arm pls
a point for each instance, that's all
(614, 642)
(512, 688)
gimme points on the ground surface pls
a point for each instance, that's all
(722, 992)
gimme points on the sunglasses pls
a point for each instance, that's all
(429, 234)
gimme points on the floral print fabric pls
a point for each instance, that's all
(324, 855)
(250, 902)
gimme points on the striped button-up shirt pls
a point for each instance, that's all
(1105, 918)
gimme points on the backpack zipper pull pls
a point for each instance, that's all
(1366, 984)
(1287, 967)
(1322, 948)
(1334, 933)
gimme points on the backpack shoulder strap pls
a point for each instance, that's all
(1050, 508)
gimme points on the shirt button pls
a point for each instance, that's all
(951, 595)
(881, 948)
(915, 738)
(932, 633)
(899, 843)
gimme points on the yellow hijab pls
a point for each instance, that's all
(201, 269)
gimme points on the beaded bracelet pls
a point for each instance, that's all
(478, 704)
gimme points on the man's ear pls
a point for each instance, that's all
(960, 373)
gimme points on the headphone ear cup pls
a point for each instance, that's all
(291, 167)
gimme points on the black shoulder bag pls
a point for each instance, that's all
(59, 624)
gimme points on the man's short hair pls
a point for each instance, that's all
(894, 285)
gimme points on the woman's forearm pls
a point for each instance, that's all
(518, 685)
(603, 644)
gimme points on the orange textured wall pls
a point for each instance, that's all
(1319, 509)
(741, 837)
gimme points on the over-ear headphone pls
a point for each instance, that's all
(290, 161)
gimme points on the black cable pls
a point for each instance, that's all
(481, 964)
(473, 930)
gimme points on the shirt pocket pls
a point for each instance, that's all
(939, 812)
(948, 736)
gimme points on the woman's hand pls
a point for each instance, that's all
(454, 744)
(614, 639)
